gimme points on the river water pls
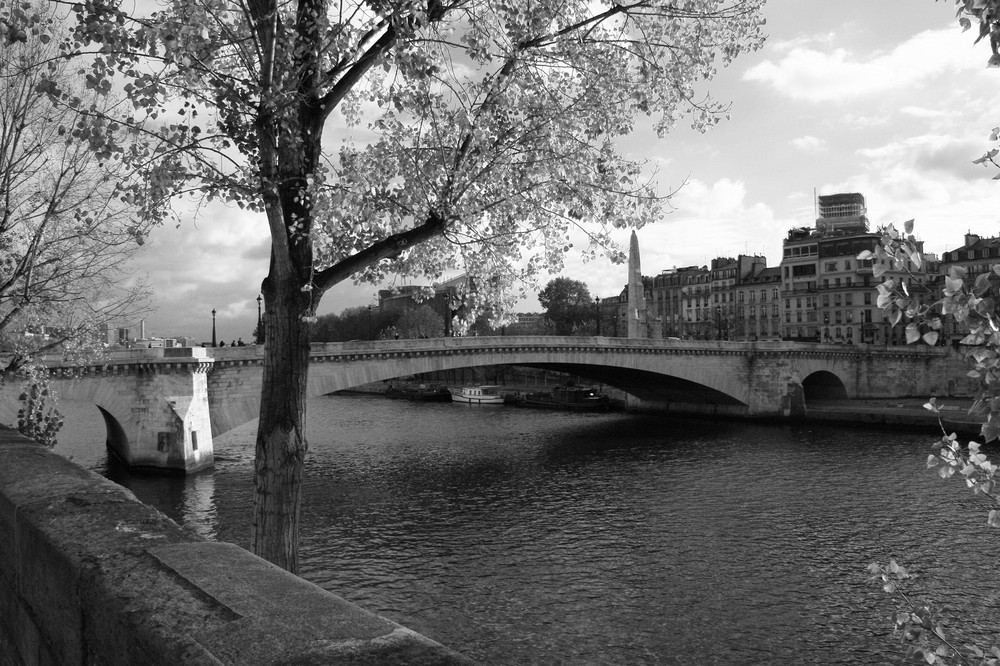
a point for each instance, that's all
(532, 537)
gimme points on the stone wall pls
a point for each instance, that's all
(90, 575)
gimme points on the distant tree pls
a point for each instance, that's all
(353, 323)
(567, 304)
(420, 322)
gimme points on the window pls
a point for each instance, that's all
(774, 294)
(774, 310)
(826, 300)
(836, 282)
(831, 267)
(868, 298)
(163, 441)
(847, 265)
(194, 440)
(763, 295)
(848, 298)
(798, 302)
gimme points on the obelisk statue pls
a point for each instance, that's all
(636, 292)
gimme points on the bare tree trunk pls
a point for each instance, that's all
(281, 437)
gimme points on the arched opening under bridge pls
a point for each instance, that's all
(822, 386)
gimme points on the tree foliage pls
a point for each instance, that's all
(985, 16)
(420, 322)
(567, 304)
(973, 304)
(37, 417)
(65, 232)
(485, 132)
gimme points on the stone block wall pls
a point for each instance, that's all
(90, 575)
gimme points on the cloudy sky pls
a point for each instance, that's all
(885, 98)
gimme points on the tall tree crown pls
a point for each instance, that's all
(490, 125)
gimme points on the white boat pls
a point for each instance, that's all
(477, 395)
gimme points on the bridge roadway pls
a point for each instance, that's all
(162, 406)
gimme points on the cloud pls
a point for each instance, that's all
(927, 157)
(840, 75)
(215, 262)
(810, 144)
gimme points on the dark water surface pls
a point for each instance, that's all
(532, 537)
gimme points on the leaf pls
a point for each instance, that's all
(908, 226)
(931, 338)
(982, 284)
(912, 333)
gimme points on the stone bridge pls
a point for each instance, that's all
(162, 406)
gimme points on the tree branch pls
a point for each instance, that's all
(387, 248)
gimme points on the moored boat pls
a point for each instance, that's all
(419, 393)
(477, 395)
(569, 398)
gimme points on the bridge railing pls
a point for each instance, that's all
(255, 353)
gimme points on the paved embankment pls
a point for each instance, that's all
(899, 412)
(90, 575)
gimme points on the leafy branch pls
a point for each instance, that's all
(921, 626)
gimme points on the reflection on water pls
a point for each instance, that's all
(530, 537)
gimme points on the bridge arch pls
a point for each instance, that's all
(823, 385)
(117, 440)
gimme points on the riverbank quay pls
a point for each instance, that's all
(908, 413)
(90, 575)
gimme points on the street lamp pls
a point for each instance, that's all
(213, 327)
(597, 299)
(259, 333)
(369, 321)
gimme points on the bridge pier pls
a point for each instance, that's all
(169, 425)
(154, 403)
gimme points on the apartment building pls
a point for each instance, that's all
(977, 255)
(829, 295)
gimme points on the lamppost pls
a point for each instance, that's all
(369, 321)
(213, 327)
(597, 300)
(260, 333)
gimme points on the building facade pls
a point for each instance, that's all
(820, 292)
(829, 294)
